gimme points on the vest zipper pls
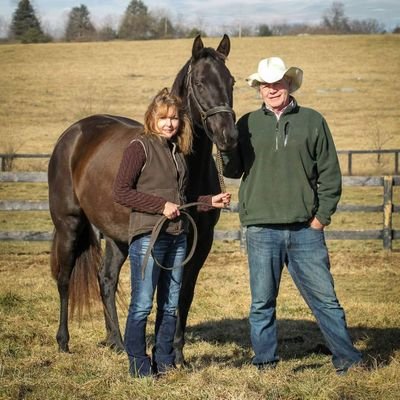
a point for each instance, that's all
(180, 175)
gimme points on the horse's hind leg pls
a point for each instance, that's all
(115, 255)
(63, 261)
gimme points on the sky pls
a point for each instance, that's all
(211, 15)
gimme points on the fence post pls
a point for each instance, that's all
(396, 163)
(349, 163)
(6, 162)
(387, 212)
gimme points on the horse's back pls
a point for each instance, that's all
(83, 167)
(84, 136)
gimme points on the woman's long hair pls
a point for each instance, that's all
(158, 108)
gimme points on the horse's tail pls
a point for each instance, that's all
(83, 283)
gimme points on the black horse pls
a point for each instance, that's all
(81, 173)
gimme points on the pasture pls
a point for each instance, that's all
(352, 80)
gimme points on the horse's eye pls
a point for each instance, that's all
(199, 86)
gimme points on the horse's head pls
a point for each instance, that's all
(207, 85)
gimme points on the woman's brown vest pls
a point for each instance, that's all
(165, 175)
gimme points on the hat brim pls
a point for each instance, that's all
(295, 74)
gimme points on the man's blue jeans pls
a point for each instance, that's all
(170, 251)
(303, 250)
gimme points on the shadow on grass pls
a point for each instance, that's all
(296, 339)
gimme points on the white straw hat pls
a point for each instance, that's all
(273, 69)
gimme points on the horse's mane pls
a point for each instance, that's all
(179, 83)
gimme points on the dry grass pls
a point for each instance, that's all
(46, 87)
(218, 348)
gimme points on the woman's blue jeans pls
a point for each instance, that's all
(303, 250)
(170, 251)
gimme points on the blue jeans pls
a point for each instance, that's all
(170, 251)
(303, 250)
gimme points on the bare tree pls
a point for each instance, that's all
(161, 25)
(3, 27)
(334, 19)
(367, 26)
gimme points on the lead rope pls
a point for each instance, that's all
(158, 226)
(220, 169)
(157, 229)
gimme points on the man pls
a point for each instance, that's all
(291, 184)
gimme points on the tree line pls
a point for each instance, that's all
(138, 23)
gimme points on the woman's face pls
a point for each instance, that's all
(168, 124)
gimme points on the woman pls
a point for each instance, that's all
(151, 181)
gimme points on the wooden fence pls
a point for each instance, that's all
(6, 159)
(379, 153)
(387, 234)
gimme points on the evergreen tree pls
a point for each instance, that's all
(25, 26)
(264, 30)
(79, 27)
(136, 22)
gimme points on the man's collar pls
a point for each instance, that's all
(292, 104)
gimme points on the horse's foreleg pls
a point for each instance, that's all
(115, 255)
(190, 274)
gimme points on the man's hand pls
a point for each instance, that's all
(315, 224)
(221, 200)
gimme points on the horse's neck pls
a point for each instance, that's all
(202, 170)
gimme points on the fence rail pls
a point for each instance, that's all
(350, 154)
(387, 234)
(7, 158)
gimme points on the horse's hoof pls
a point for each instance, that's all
(63, 349)
(118, 348)
(180, 361)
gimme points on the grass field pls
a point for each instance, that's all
(217, 349)
(352, 80)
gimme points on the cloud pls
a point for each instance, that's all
(217, 13)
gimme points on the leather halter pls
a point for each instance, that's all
(204, 114)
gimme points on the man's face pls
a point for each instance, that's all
(275, 95)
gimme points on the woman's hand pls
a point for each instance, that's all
(171, 210)
(221, 200)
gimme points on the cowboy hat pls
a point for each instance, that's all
(273, 69)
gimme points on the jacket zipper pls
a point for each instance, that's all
(285, 134)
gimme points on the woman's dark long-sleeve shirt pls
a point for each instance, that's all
(125, 193)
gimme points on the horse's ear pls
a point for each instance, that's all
(197, 46)
(225, 46)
